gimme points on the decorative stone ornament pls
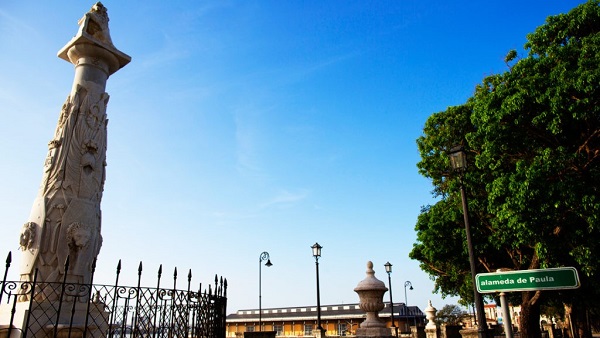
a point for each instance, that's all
(430, 315)
(370, 291)
(431, 329)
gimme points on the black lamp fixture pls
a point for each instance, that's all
(388, 269)
(316, 250)
(263, 257)
(458, 158)
(458, 161)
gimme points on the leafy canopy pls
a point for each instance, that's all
(532, 135)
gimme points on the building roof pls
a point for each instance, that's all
(328, 312)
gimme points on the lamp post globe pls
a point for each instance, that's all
(316, 250)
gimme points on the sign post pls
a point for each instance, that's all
(525, 280)
(528, 280)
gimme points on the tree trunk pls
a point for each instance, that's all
(570, 326)
(529, 326)
(579, 321)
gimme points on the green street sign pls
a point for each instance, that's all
(528, 280)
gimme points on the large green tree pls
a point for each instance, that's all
(532, 135)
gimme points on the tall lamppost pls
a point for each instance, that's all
(316, 251)
(388, 269)
(458, 160)
(263, 257)
(408, 283)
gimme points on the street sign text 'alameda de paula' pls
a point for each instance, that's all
(528, 280)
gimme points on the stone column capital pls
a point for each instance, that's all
(93, 41)
(82, 47)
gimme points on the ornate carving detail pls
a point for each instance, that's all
(76, 154)
(27, 238)
(78, 235)
(95, 23)
(72, 187)
(54, 144)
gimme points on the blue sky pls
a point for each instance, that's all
(248, 126)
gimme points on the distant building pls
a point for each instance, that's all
(337, 320)
(493, 317)
(493, 314)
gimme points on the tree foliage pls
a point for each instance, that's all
(451, 315)
(532, 135)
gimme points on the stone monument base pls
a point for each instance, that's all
(373, 332)
(42, 319)
(469, 333)
(431, 332)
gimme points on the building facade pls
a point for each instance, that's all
(337, 320)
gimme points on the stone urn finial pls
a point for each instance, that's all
(430, 315)
(370, 291)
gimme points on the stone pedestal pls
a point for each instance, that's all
(431, 333)
(469, 333)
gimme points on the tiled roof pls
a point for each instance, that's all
(328, 312)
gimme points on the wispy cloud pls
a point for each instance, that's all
(172, 49)
(249, 139)
(11, 25)
(286, 199)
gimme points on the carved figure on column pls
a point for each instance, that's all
(65, 219)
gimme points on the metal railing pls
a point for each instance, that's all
(63, 309)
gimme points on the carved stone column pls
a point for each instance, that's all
(66, 219)
(370, 291)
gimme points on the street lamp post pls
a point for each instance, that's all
(263, 257)
(316, 250)
(408, 283)
(388, 269)
(458, 160)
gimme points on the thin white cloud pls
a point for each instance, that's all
(171, 50)
(249, 138)
(11, 25)
(286, 199)
(246, 143)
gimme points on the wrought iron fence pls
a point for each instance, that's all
(36, 309)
